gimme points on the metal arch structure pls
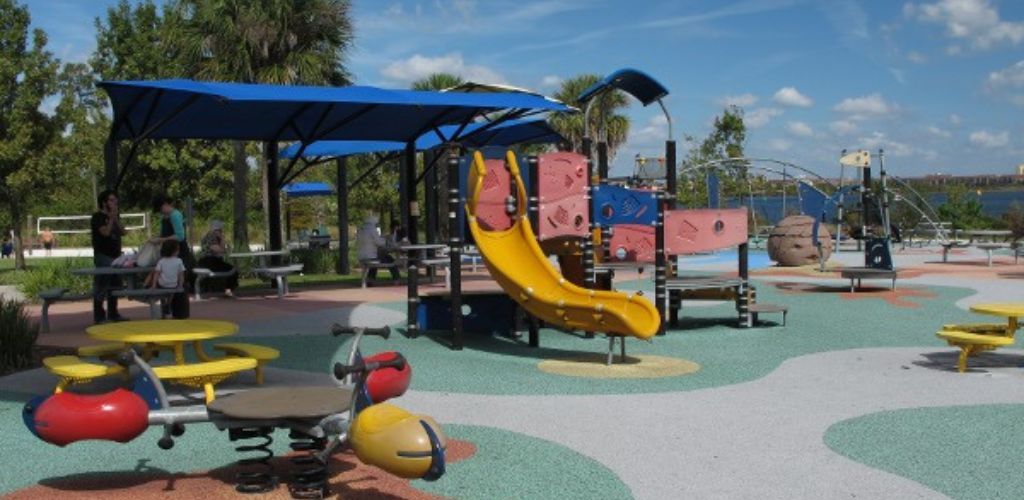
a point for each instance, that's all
(710, 164)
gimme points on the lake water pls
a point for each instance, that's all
(994, 203)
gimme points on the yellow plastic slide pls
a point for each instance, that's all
(517, 263)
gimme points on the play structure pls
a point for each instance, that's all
(321, 420)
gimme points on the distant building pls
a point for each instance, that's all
(1020, 169)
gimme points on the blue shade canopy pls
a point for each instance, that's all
(187, 109)
(474, 135)
(304, 189)
(633, 82)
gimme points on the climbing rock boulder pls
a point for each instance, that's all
(790, 243)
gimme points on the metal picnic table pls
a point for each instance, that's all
(176, 333)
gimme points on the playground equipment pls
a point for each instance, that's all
(518, 264)
(321, 420)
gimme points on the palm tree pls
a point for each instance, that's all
(606, 121)
(438, 81)
(263, 41)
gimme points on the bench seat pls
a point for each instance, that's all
(52, 295)
(103, 351)
(867, 273)
(72, 370)
(279, 275)
(204, 375)
(152, 296)
(761, 308)
(971, 344)
(262, 354)
(979, 328)
(204, 273)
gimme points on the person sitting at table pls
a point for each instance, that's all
(214, 250)
(169, 273)
(7, 249)
(106, 232)
(371, 246)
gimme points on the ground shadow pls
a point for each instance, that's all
(979, 363)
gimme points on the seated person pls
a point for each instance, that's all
(214, 250)
(7, 249)
(169, 273)
(370, 246)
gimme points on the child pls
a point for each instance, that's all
(169, 272)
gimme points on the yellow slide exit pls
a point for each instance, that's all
(517, 263)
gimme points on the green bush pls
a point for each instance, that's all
(55, 274)
(17, 336)
(316, 260)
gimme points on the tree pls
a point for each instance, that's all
(606, 121)
(438, 81)
(726, 140)
(263, 41)
(962, 209)
(28, 76)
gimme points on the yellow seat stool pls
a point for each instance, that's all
(972, 343)
(103, 351)
(72, 370)
(260, 353)
(204, 375)
(978, 328)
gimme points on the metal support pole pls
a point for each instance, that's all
(273, 200)
(743, 297)
(409, 212)
(588, 242)
(342, 189)
(671, 176)
(430, 198)
(455, 249)
(660, 268)
(602, 160)
(602, 174)
(533, 206)
(110, 164)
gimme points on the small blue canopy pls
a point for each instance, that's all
(474, 135)
(304, 189)
(187, 109)
(633, 82)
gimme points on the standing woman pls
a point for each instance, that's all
(172, 227)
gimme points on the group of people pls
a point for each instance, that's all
(172, 270)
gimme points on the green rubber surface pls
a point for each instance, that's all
(708, 336)
(933, 447)
(509, 465)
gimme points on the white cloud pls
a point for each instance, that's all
(868, 106)
(780, 145)
(551, 82)
(938, 132)
(843, 127)
(916, 57)
(954, 119)
(742, 100)
(790, 96)
(760, 117)
(986, 139)
(653, 132)
(420, 66)
(800, 129)
(976, 22)
(878, 140)
(1010, 77)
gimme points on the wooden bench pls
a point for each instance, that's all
(989, 247)
(760, 308)
(204, 375)
(280, 275)
(203, 273)
(678, 287)
(72, 370)
(867, 273)
(52, 295)
(972, 343)
(262, 354)
(152, 296)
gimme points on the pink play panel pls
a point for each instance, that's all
(562, 192)
(490, 208)
(686, 231)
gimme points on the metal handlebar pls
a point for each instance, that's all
(337, 330)
(341, 371)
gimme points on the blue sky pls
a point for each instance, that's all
(939, 84)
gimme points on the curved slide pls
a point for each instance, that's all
(517, 263)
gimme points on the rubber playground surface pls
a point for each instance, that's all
(854, 397)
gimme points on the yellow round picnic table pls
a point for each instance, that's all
(1011, 311)
(169, 332)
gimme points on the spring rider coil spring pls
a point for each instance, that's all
(309, 479)
(259, 474)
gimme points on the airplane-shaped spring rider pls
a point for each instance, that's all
(322, 420)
